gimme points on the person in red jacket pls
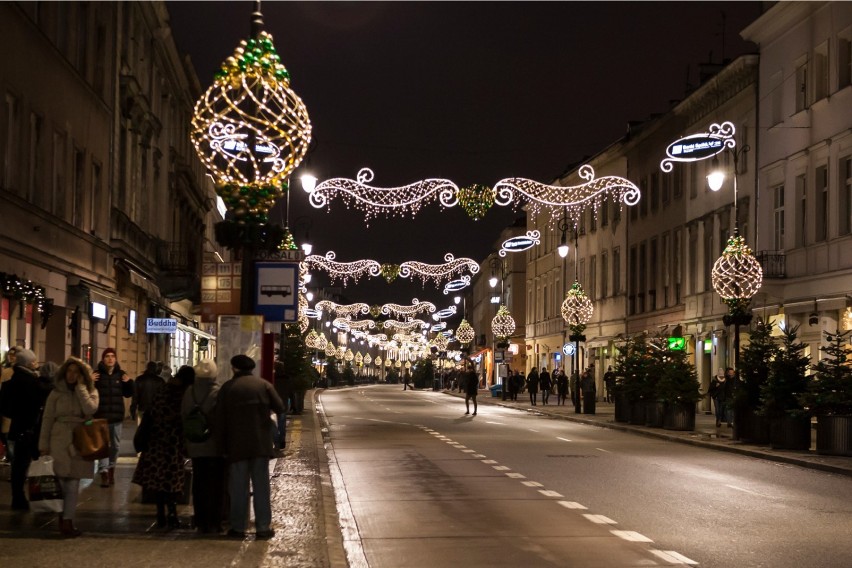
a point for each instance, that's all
(113, 386)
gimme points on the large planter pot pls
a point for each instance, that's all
(751, 428)
(788, 433)
(834, 435)
(654, 414)
(637, 413)
(679, 416)
(622, 407)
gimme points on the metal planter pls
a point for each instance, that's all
(679, 417)
(790, 433)
(834, 435)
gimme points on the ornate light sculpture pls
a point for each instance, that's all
(343, 270)
(415, 308)
(577, 309)
(390, 272)
(250, 129)
(438, 272)
(408, 364)
(476, 200)
(359, 359)
(405, 325)
(440, 342)
(465, 332)
(329, 349)
(339, 352)
(367, 359)
(737, 275)
(341, 323)
(378, 361)
(321, 342)
(503, 324)
(349, 310)
(398, 365)
(445, 313)
(348, 356)
(457, 284)
(571, 199)
(390, 201)
(311, 339)
(359, 325)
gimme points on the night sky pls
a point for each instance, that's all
(470, 91)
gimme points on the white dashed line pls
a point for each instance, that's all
(532, 483)
(499, 423)
(501, 468)
(749, 491)
(603, 450)
(517, 475)
(600, 519)
(478, 455)
(534, 430)
(549, 493)
(563, 439)
(631, 536)
(489, 461)
(571, 505)
(469, 451)
(672, 556)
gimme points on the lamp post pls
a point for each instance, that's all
(576, 310)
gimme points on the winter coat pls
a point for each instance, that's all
(66, 407)
(720, 389)
(112, 391)
(562, 384)
(587, 383)
(203, 392)
(145, 388)
(161, 466)
(242, 418)
(544, 381)
(471, 383)
(532, 383)
(21, 400)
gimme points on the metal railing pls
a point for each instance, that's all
(773, 263)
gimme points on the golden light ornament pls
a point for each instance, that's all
(408, 364)
(440, 341)
(304, 323)
(737, 275)
(329, 349)
(359, 358)
(339, 352)
(503, 324)
(378, 361)
(321, 342)
(398, 364)
(347, 310)
(476, 200)
(577, 309)
(405, 325)
(387, 362)
(367, 359)
(311, 339)
(250, 129)
(465, 332)
(348, 356)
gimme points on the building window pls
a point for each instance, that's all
(643, 203)
(34, 193)
(643, 277)
(693, 181)
(633, 284)
(604, 275)
(778, 217)
(844, 60)
(846, 195)
(820, 71)
(79, 197)
(58, 189)
(666, 268)
(593, 283)
(802, 86)
(616, 270)
(10, 142)
(604, 210)
(821, 203)
(709, 259)
(801, 211)
(652, 276)
(95, 196)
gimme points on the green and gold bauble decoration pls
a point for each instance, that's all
(736, 277)
(288, 242)
(503, 324)
(390, 272)
(577, 309)
(476, 200)
(465, 333)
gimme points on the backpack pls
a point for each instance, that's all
(195, 426)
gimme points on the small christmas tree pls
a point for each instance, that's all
(348, 374)
(830, 391)
(755, 360)
(677, 382)
(786, 381)
(633, 367)
(331, 372)
(294, 355)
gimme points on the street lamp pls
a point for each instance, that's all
(457, 300)
(577, 310)
(309, 182)
(503, 325)
(563, 226)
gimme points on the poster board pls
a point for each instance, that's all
(238, 334)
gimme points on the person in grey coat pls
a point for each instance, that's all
(242, 429)
(208, 465)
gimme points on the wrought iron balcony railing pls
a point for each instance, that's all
(773, 263)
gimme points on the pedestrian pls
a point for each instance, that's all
(6, 374)
(561, 387)
(512, 385)
(532, 385)
(720, 391)
(284, 389)
(545, 384)
(21, 401)
(471, 388)
(47, 374)
(161, 467)
(243, 407)
(73, 400)
(609, 383)
(113, 386)
(406, 381)
(208, 465)
(145, 388)
(589, 390)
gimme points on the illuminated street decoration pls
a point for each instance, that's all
(312, 313)
(359, 325)
(378, 361)
(503, 324)
(359, 268)
(390, 201)
(737, 275)
(520, 243)
(343, 270)
(348, 356)
(359, 359)
(465, 332)
(405, 325)
(438, 272)
(321, 342)
(348, 310)
(456, 285)
(577, 309)
(341, 323)
(329, 349)
(376, 338)
(250, 129)
(356, 334)
(440, 342)
(570, 200)
(339, 352)
(311, 339)
(700, 146)
(476, 200)
(416, 307)
(367, 359)
(445, 313)
(438, 327)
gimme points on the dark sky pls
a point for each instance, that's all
(470, 91)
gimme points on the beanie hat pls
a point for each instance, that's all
(25, 358)
(206, 369)
(106, 352)
(242, 362)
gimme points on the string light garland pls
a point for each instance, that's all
(476, 200)
(342, 270)
(347, 310)
(451, 267)
(577, 309)
(570, 200)
(390, 201)
(503, 324)
(465, 332)
(251, 130)
(358, 325)
(737, 275)
(405, 325)
(438, 272)
(445, 313)
(415, 308)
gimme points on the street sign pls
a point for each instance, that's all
(569, 349)
(700, 146)
(520, 243)
(276, 291)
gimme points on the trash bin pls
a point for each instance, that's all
(496, 390)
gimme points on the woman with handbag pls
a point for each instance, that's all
(70, 403)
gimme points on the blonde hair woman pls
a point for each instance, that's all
(72, 401)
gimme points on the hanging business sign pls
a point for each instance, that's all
(456, 285)
(569, 349)
(520, 243)
(161, 325)
(444, 314)
(700, 146)
(677, 343)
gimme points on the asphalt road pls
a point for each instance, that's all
(419, 483)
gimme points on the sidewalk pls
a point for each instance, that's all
(705, 434)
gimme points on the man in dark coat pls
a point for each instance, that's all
(113, 386)
(471, 388)
(145, 387)
(609, 383)
(589, 390)
(243, 408)
(545, 384)
(22, 401)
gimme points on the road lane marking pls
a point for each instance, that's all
(461, 447)
(571, 505)
(478, 455)
(749, 491)
(600, 519)
(549, 493)
(534, 430)
(469, 451)
(603, 450)
(500, 423)
(631, 536)
(517, 475)
(532, 483)
(563, 439)
(501, 467)
(672, 556)
(489, 461)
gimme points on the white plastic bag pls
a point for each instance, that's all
(45, 492)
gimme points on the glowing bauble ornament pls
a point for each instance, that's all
(329, 349)
(348, 356)
(465, 332)
(503, 324)
(476, 200)
(737, 275)
(577, 309)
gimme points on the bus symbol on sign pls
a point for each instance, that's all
(269, 290)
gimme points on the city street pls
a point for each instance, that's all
(426, 485)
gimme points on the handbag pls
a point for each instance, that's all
(45, 492)
(91, 439)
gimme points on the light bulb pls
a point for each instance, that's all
(309, 183)
(307, 247)
(715, 180)
(492, 281)
(563, 250)
(457, 300)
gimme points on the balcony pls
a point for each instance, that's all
(773, 263)
(179, 268)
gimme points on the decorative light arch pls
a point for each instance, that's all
(416, 307)
(348, 310)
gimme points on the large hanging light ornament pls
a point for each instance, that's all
(440, 342)
(503, 324)
(359, 359)
(366, 267)
(321, 342)
(367, 359)
(343, 270)
(438, 272)
(405, 325)
(311, 339)
(465, 332)
(378, 361)
(339, 352)
(348, 356)
(574, 200)
(390, 201)
(476, 200)
(329, 349)
(577, 309)
(737, 276)
(348, 310)
(250, 129)
(415, 308)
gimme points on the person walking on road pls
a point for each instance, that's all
(720, 391)
(406, 381)
(545, 383)
(243, 408)
(561, 387)
(532, 385)
(69, 404)
(113, 386)
(471, 388)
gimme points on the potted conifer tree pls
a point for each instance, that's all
(677, 388)
(789, 423)
(634, 388)
(750, 425)
(829, 397)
